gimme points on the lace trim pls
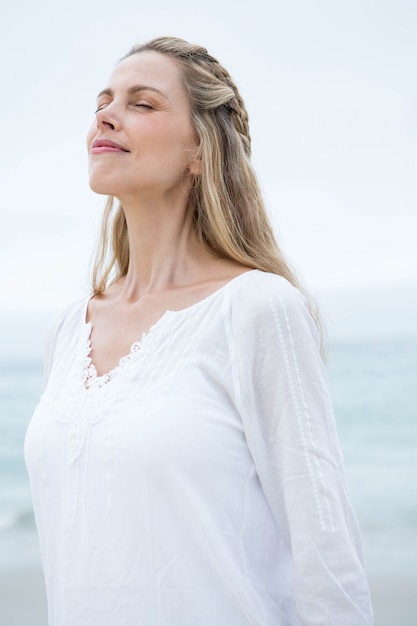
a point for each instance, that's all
(79, 398)
(81, 408)
(89, 376)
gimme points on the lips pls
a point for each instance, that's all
(105, 145)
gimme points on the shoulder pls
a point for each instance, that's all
(264, 304)
(69, 317)
(64, 327)
(260, 293)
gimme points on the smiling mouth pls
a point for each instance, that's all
(104, 145)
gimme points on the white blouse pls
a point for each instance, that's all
(200, 482)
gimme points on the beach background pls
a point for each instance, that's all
(331, 96)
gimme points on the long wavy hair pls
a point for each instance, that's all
(225, 201)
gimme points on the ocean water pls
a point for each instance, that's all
(21, 383)
(374, 389)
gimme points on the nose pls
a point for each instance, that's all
(107, 117)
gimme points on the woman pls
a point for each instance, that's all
(184, 463)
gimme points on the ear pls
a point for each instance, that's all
(195, 167)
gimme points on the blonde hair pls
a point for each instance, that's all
(225, 200)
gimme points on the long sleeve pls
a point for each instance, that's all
(282, 393)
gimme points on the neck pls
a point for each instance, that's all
(164, 251)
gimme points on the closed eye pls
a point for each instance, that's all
(99, 108)
(142, 105)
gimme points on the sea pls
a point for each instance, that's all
(374, 389)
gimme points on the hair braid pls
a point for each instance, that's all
(235, 105)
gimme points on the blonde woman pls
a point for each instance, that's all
(184, 463)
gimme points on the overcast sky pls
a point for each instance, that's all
(331, 91)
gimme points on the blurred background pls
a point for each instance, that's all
(331, 91)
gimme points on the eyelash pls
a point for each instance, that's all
(145, 106)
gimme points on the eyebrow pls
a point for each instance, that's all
(131, 91)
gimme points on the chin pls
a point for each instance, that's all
(103, 185)
(101, 189)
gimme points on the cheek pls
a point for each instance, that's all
(178, 146)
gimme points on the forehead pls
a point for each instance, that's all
(151, 69)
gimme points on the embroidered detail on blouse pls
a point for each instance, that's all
(302, 413)
(90, 377)
(84, 397)
(78, 413)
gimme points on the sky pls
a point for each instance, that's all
(331, 92)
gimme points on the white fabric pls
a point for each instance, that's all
(201, 481)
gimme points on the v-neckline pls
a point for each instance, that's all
(93, 380)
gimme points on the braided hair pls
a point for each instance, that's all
(225, 200)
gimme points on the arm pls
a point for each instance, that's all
(290, 429)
